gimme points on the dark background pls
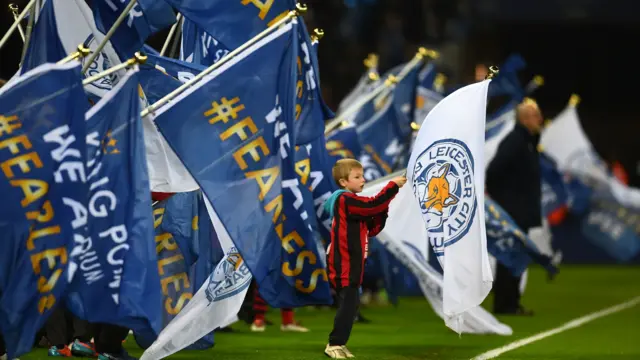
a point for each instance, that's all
(588, 47)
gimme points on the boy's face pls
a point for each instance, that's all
(355, 182)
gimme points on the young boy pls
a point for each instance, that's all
(355, 218)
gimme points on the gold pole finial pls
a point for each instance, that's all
(373, 76)
(574, 100)
(415, 126)
(538, 80)
(83, 51)
(317, 34)
(391, 80)
(424, 52)
(140, 58)
(371, 61)
(301, 9)
(13, 8)
(493, 71)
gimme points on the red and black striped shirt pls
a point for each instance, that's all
(355, 219)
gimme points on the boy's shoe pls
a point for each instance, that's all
(346, 351)
(293, 327)
(4, 357)
(258, 326)
(59, 352)
(123, 355)
(336, 352)
(81, 349)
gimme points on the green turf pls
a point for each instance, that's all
(413, 331)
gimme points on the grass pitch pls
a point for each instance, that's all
(412, 331)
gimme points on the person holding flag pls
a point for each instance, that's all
(354, 219)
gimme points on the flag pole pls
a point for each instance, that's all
(177, 40)
(136, 59)
(292, 14)
(82, 52)
(16, 23)
(27, 35)
(170, 36)
(14, 10)
(109, 34)
(387, 85)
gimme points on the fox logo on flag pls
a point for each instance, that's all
(446, 170)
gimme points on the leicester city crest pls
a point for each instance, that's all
(230, 277)
(445, 188)
(99, 64)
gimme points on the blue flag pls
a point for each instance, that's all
(42, 152)
(45, 45)
(314, 167)
(233, 22)
(198, 47)
(116, 273)
(188, 252)
(508, 244)
(248, 173)
(404, 101)
(178, 69)
(612, 227)
(145, 18)
(155, 83)
(382, 142)
(343, 143)
(311, 111)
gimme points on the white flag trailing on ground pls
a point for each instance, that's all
(446, 172)
(405, 236)
(567, 143)
(216, 304)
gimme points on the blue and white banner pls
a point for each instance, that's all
(43, 152)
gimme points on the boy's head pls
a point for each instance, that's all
(349, 175)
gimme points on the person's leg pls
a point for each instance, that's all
(82, 334)
(348, 299)
(108, 340)
(506, 290)
(289, 323)
(57, 332)
(259, 310)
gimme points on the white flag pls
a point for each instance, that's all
(567, 143)
(216, 304)
(446, 172)
(495, 132)
(405, 236)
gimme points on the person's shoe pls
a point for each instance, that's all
(347, 352)
(293, 327)
(523, 312)
(520, 311)
(258, 326)
(335, 352)
(4, 357)
(55, 351)
(123, 355)
(82, 349)
(361, 319)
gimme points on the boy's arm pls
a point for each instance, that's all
(361, 206)
(376, 223)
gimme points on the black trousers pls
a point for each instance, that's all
(108, 338)
(3, 348)
(63, 327)
(506, 290)
(348, 300)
